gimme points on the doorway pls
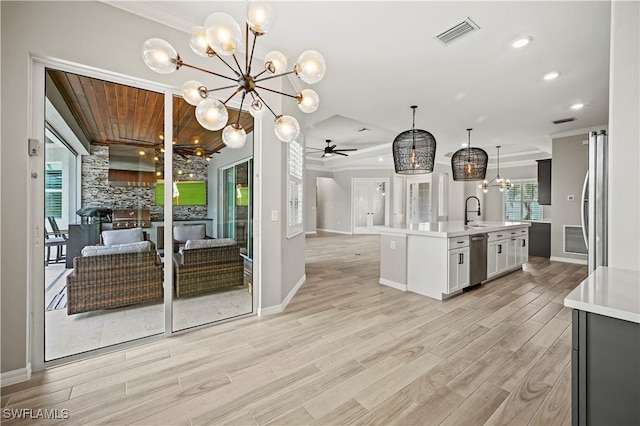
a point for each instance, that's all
(418, 200)
(370, 206)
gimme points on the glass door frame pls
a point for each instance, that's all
(35, 251)
(408, 207)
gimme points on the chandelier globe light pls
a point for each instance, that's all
(221, 36)
(500, 182)
(469, 164)
(414, 150)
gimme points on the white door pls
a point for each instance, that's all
(454, 261)
(463, 268)
(419, 200)
(512, 248)
(370, 207)
(501, 256)
(492, 258)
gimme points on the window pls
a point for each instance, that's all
(521, 202)
(53, 190)
(295, 165)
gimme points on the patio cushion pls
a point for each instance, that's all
(138, 247)
(196, 244)
(189, 232)
(122, 236)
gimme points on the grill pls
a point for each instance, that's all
(131, 218)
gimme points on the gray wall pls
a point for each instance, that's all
(75, 32)
(310, 199)
(624, 137)
(570, 161)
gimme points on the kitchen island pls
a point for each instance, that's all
(433, 259)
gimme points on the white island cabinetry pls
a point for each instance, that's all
(437, 255)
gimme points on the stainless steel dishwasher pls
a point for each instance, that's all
(478, 259)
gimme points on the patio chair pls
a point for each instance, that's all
(56, 238)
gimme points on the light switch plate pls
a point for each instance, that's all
(275, 216)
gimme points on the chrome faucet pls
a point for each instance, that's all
(466, 218)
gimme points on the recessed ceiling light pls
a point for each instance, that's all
(521, 42)
(363, 129)
(551, 75)
(380, 158)
(577, 106)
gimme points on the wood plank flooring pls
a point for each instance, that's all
(346, 351)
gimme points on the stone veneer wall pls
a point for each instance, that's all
(97, 192)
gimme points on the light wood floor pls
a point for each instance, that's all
(346, 351)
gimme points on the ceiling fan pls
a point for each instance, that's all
(329, 150)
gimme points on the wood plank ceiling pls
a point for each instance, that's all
(115, 114)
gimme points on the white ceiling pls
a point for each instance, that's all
(382, 58)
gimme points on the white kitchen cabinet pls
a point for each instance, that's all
(458, 269)
(512, 252)
(492, 259)
(522, 250)
(501, 256)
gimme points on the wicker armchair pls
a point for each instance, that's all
(114, 280)
(207, 265)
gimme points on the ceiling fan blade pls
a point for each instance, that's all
(333, 147)
(345, 149)
(339, 153)
(317, 149)
(323, 155)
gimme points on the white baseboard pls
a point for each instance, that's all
(310, 233)
(272, 310)
(569, 260)
(393, 284)
(334, 231)
(16, 376)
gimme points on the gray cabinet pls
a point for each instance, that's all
(544, 182)
(540, 239)
(605, 375)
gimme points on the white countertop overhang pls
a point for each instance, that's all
(449, 229)
(608, 291)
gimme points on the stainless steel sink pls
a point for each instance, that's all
(475, 226)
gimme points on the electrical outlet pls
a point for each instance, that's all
(393, 245)
(570, 197)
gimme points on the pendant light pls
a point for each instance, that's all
(414, 150)
(501, 183)
(469, 164)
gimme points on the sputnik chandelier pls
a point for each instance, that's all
(500, 182)
(221, 36)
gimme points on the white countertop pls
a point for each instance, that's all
(449, 229)
(608, 291)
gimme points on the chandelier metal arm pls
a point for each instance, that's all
(239, 112)
(208, 72)
(272, 76)
(275, 91)
(237, 63)
(222, 88)
(232, 95)
(228, 65)
(253, 48)
(265, 103)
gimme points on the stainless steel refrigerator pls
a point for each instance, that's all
(594, 201)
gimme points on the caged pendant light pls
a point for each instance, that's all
(469, 164)
(414, 150)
